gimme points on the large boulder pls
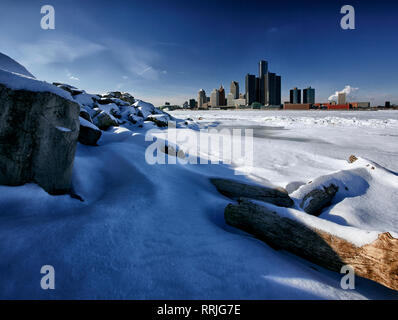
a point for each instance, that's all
(38, 136)
(104, 121)
(89, 134)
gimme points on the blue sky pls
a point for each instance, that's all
(168, 50)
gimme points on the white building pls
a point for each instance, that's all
(202, 99)
(342, 98)
(230, 100)
(215, 98)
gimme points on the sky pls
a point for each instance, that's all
(167, 50)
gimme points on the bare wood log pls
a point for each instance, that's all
(377, 261)
(235, 190)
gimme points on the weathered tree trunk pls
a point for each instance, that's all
(377, 261)
(235, 190)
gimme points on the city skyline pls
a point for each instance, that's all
(170, 64)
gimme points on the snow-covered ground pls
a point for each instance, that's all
(158, 231)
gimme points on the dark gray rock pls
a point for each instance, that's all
(104, 121)
(38, 136)
(315, 201)
(85, 115)
(161, 120)
(89, 134)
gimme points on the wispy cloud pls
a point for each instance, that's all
(135, 59)
(71, 77)
(53, 50)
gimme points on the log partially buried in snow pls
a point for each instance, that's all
(377, 261)
(318, 199)
(235, 190)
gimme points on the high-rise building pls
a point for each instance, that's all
(215, 98)
(272, 89)
(342, 98)
(192, 103)
(230, 100)
(250, 84)
(268, 86)
(221, 98)
(278, 91)
(262, 68)
(309, 95)
(295, 96)
(261, 89)
(202, 99)
(257, 86)
(235, 89)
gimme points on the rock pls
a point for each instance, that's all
(235, 190)
(134, 119)
(71, 89)
(89, 134)
(315, 201)
(38, 137)
(161, 120)
(85, 115)
(124, 96)
(104, 121)
(127, 97)
(103, 101)
(113, 94)
(352, 159)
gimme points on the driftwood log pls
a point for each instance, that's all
(377, 261)
(235, 190)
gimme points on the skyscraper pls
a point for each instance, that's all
(202, 99)
(278, 91)
(262, 68)
(268, 86)
(295, 96)
(261, 89)
(257, 86)
(235, 89)
(221, 97)
(250, 83)
(215, 98)
(192, 103)
(309, 95)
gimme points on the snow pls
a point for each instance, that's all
(158, 231)
(63, 129)
(17, 82)
(10, 65)
(85, 99)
